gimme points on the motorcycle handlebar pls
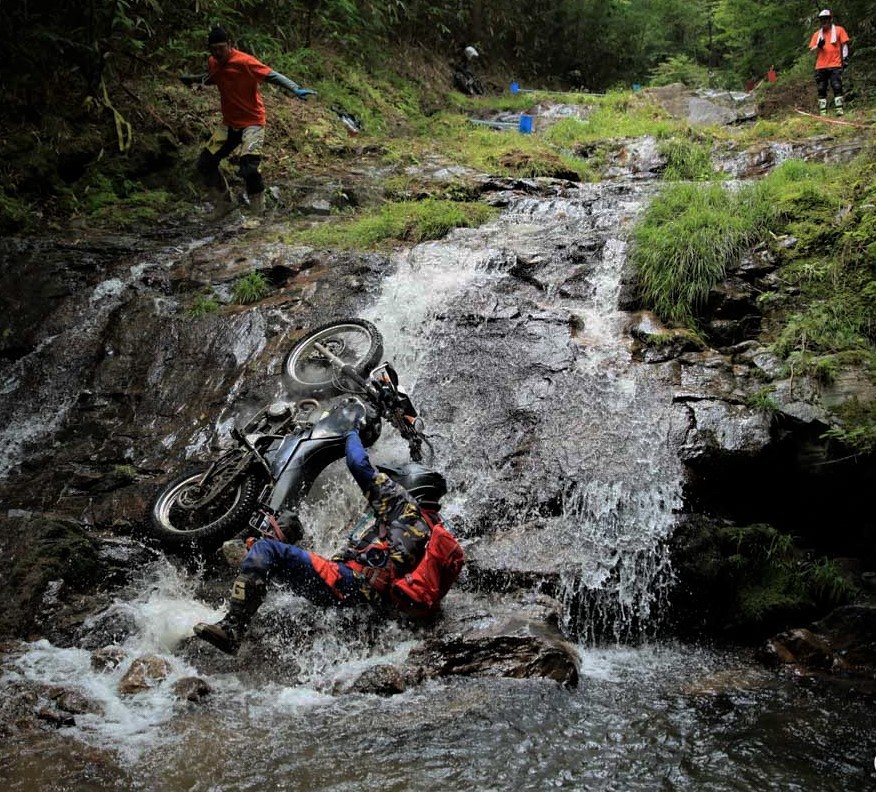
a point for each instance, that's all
(388, 408)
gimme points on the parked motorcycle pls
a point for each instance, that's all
(256, 485)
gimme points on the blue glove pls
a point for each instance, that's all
(303, 93)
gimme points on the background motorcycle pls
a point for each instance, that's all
(279, 452)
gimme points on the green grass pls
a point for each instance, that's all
(250, 288)
(405, 221)
(203, 304)
(687, 238)
(686, 160)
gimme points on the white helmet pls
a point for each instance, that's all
(825, 13)
(471, 53)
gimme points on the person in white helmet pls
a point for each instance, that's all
(464, 77)
(831, 42)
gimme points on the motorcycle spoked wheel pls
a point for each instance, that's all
(180, 528)
(306, 371)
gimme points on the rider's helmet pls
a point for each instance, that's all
(425, 485)
(825, 14)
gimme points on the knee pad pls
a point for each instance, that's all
(249, 171)
(207, 163)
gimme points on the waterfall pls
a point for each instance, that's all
(510, 340)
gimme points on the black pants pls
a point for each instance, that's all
(208, 165)
(832, 76)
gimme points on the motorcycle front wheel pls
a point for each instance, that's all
(178, 524)
(308, 372)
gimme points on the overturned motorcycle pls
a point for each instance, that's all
(256, 486)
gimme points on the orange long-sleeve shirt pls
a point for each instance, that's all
(238, 81)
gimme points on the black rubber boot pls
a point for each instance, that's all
(247, 594)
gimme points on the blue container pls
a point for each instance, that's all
(525, 124)
(636, 87)
(515, 88)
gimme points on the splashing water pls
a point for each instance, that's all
(590, 424)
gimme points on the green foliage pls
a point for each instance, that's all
(686, 160)
(249, 288)
(769, 575)
(687, 238)
(680, 69)
(611, 117)
(763, 401)
(858, 431)
(407, 221)
(204, 304)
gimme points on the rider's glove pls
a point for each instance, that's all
(353, 415)
(845, 63)
(303, 93)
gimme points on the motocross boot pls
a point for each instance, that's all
(838, 104)
(247, 593)
(223, 203)
(257, 204)
(822, 107)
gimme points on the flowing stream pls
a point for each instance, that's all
(557, 448)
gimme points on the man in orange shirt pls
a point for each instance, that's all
(831, 42)
(237, 75)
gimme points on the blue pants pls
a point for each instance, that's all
(313, 577)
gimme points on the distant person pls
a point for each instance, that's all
(464, 76)
(831, 42)
(238, 76)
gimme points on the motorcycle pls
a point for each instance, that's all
(254, 487)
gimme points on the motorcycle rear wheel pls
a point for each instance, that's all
(307, 372)
(180, 528)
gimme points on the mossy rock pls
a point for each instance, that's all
(40, 552)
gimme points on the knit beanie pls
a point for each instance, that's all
(217, 36)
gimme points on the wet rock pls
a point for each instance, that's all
(110, 626)
(721, 429)
(54, 717)
(634, 158)
(108, 658)
(380, 680)
(512, 648)
(191, 688)
(704, 107)
(851, 631)
(657, 342)
(798, 646)
(72, 701)
(145, 673)
(847, 386)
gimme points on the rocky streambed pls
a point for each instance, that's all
(607, 476)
